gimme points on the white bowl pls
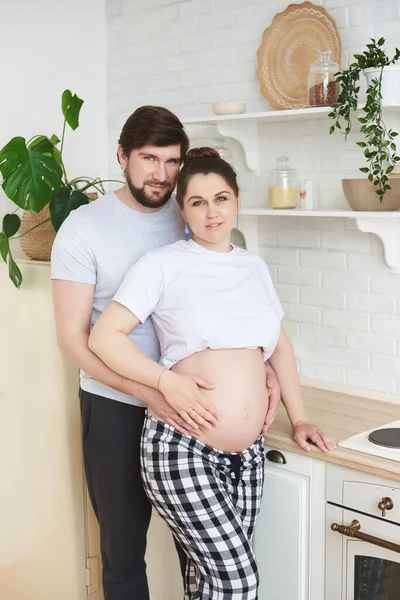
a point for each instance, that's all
(229, 108)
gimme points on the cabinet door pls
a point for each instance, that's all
(42, 548)
(93, 554)
(281, 538)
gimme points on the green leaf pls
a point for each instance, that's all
(11, 224)
(14, 272)
(331, 129)
(381, 41)
(394, 134)
(370, 177)
(389, 169)
(364, 169)
(63, 203)
(361, 144)
(57, 154)
(71, 107)
(4, 246)
(31, 173)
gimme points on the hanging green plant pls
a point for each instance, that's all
(379, 147)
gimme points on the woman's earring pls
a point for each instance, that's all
(236, 221)
(186, 230)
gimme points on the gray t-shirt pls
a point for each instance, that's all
(98, 243)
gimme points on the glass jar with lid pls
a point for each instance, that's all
(283, 188)
(322, 89)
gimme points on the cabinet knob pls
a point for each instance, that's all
(276, 457)
(386, 504)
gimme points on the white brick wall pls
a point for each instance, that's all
(342, 306)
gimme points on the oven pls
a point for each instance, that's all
(362, 536)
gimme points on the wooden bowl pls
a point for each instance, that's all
(361, 195)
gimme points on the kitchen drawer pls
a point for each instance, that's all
(362, 492)
(294, 462)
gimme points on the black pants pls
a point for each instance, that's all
(111, 434)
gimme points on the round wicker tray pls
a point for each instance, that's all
(289, 46)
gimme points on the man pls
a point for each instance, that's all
(94, 248)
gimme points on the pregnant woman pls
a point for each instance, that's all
(218, 318)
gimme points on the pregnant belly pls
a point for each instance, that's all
(240, 395)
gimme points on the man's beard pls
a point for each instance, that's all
(140, 195)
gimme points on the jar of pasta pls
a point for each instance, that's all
(283, 188)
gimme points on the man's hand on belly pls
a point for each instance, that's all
(274, 393)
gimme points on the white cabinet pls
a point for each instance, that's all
(42, 547)
(289, 536)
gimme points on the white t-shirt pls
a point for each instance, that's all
(199, 299)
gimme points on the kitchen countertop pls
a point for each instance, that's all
(341, 416)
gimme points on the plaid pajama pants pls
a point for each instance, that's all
(210, 500)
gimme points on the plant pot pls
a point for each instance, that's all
(38, 243)
(361, 195)
(390, 88)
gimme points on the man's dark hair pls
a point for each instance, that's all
(154, 125)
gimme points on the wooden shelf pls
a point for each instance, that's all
(244, 128)
(295, 212)
(384, 224)
(274, 116)
(299, 114)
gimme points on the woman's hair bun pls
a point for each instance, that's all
(194, 153)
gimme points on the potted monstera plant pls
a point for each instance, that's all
(34, 177)
(378, 142)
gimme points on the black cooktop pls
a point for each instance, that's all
(390, 437)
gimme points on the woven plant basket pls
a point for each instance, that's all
(38, 243)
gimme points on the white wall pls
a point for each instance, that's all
(341, 301)
(47, 46)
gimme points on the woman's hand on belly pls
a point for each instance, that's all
(182, 392)
(159, 408)
(240, 394)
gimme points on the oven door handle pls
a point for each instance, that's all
(353, 531)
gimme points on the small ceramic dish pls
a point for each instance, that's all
(229, 108)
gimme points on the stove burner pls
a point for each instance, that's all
(390, 437)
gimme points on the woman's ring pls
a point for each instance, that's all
(190, 412)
